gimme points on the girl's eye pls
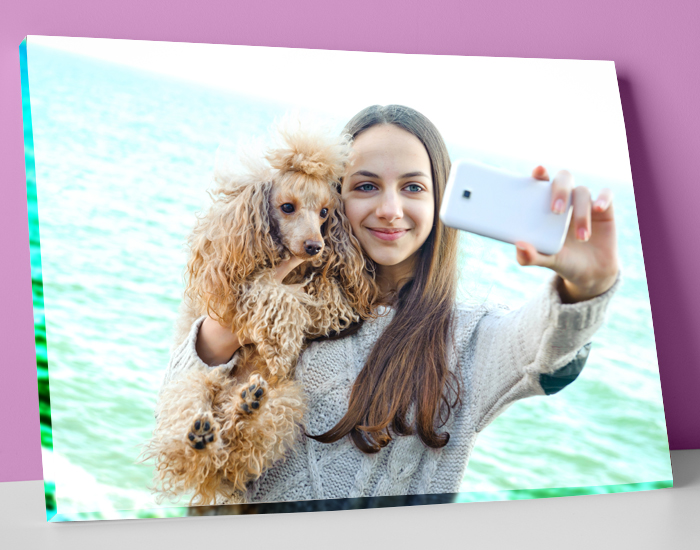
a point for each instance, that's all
(287, 208)
(324, 212)
(365, 187)
(414, 188)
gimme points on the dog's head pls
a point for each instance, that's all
(283, 202)
(303, 196)
(300, 206)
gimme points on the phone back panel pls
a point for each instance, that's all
(498, 204)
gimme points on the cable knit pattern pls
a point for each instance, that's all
(498, 355)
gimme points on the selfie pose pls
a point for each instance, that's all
(395, 403)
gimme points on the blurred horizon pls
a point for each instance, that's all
(507, 88)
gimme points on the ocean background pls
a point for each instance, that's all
(123, 162)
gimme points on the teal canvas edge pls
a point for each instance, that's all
(145, 513)
(526, 494)
(42, 364)
(461, 498)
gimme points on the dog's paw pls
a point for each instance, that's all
(252, 394)
(203, 431)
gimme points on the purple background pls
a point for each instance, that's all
(654, 45)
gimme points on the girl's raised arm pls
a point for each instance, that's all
(509, 351)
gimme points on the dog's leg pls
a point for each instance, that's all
(186, 444)
(259, 435)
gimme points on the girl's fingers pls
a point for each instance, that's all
(581, 221)
(604, 201)
(526, 254)
(285, 267)
(562, 186)
(540, 173)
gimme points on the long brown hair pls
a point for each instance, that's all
(408, 363)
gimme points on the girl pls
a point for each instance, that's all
(396, 403)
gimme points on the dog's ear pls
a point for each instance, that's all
(347, 263)
(332, 310)
(228, 244)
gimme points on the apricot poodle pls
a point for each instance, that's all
(217, 428)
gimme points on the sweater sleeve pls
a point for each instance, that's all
(510, 353)
(184, 357)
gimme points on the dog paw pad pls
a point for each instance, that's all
(252, 394)
(203, 431)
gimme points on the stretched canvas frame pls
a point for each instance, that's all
(628, 369)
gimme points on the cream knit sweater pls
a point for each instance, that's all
(498, 355)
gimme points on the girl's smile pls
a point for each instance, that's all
(387, 234)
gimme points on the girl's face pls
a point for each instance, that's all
(388, 194)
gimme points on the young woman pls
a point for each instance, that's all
(395, 405)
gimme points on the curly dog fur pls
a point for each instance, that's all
(218, 429)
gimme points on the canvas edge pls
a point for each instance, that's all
(370, 503)
(37, 288)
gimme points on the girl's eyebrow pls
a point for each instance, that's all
(365, 173)
(369, 174)
(415, 174)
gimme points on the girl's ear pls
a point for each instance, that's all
(228, 244)
(348, 265)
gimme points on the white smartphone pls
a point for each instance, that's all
(498, 204)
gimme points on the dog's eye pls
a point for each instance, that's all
(324, 212)
(287, 208)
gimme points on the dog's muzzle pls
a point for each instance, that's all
(312, 247)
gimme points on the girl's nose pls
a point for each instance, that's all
(389, 208)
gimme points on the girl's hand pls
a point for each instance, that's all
(286, 267)
(587, 263)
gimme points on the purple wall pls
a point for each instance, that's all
(658, 65)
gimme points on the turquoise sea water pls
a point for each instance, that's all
(123, 162)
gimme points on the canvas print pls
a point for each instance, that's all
(274, 280)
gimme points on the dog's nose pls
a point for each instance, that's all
(313, 247)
